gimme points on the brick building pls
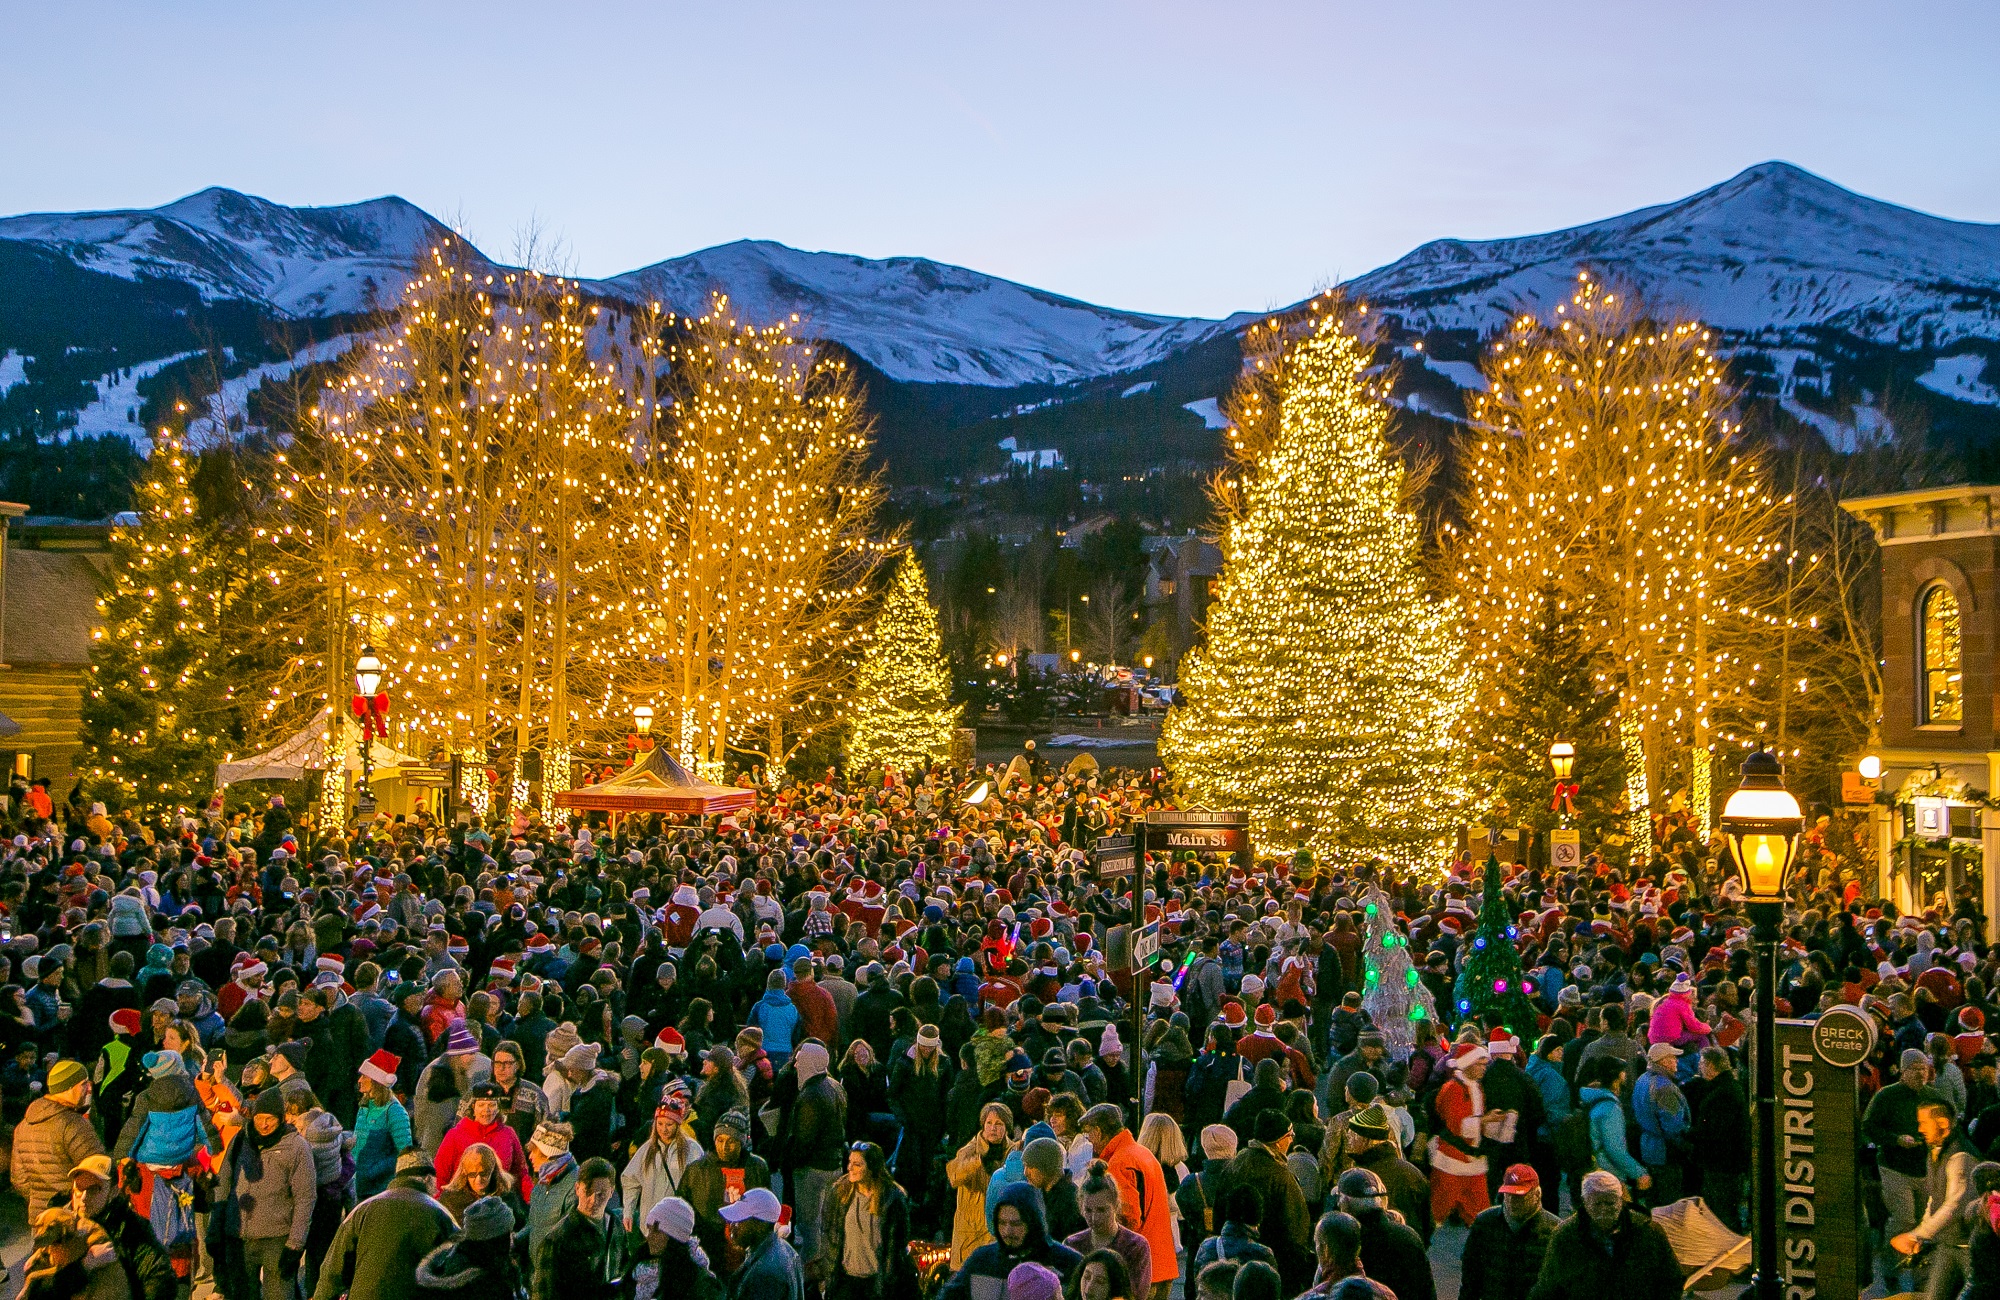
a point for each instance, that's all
(1940, 727)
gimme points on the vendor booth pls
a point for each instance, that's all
(304, 753)
(656, 784)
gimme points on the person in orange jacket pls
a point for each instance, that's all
(1143, 1203)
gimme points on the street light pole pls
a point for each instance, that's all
(371, 706)
(1762, 822)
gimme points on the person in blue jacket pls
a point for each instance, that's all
(1599, 1097)
(1544, 1070)
(1661, 1110)
(778, 1018)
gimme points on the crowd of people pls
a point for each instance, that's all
(874, 1042)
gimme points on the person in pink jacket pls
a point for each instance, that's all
(1674, 1022)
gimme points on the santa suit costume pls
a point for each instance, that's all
(1458, 1162)
(1262, 1044)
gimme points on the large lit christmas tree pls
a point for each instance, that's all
(903, 714)
(173, 676)
(1326, 698)
(1395, 997)
(1492, 987)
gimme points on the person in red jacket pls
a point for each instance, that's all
(819, 1017)
(1458, 1157)
(483, 1125)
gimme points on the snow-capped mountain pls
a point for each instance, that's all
(1774, 249)
(297, 261)
(918, 320)
(1812, 284)
(915, 320)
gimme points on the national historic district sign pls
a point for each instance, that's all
(1820, 1231)
(1199, 830)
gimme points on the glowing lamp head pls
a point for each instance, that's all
(1076, 656)
(368, 672)
(1870, 767)
(1762, 822)
(1000, 659)
(1149, 663)
(642, 718)
(1562, 758)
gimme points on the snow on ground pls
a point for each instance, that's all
(1957, 377)
(1210, 411)
(13, 370)
(116, 409)
(1839, 436)
(1462, 373)
(234, 397)
(1137, 389)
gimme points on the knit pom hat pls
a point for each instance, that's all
(459, 1040)
(163, 1064)
(553, 1137)
(488, 1219)
(560, 1040)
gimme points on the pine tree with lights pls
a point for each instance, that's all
(1395, 998)
(169, 688)
(1326, 699)
(903, 714)
(1552, 687)
(1492, 987)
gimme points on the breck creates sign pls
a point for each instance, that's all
(1819, 1190)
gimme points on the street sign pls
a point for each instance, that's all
(1199, 830)
(1819, 1187)
(1565, 849)
(1145, 945)
(1117, 855)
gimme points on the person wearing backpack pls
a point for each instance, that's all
(1204, 988)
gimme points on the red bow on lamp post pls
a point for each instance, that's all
(370, 704)
(1562, 761)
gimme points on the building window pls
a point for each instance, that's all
(1942, 669)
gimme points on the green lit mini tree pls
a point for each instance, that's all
(1395, 997)
(1491, 986)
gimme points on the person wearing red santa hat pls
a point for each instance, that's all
(246, 981)
(1262, 1042)
(1457, 1150)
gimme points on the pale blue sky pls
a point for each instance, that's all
(1159, 156)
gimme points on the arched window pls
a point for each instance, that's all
(1941, 669)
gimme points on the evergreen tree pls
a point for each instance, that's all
(1395, 998)
(903, 714)
(1491, 986)
(1326, 699)
(173, 679)
(1550, 688)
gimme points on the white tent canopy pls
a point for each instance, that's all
(306, 752)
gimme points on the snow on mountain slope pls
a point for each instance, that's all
(116, 409)
(1773, 249)
(917, 320)
(300, 261)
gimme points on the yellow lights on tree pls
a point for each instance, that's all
(1327, 699)
(903, 715)
(1605, 485)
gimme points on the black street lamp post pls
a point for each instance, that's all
(1762, 822)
